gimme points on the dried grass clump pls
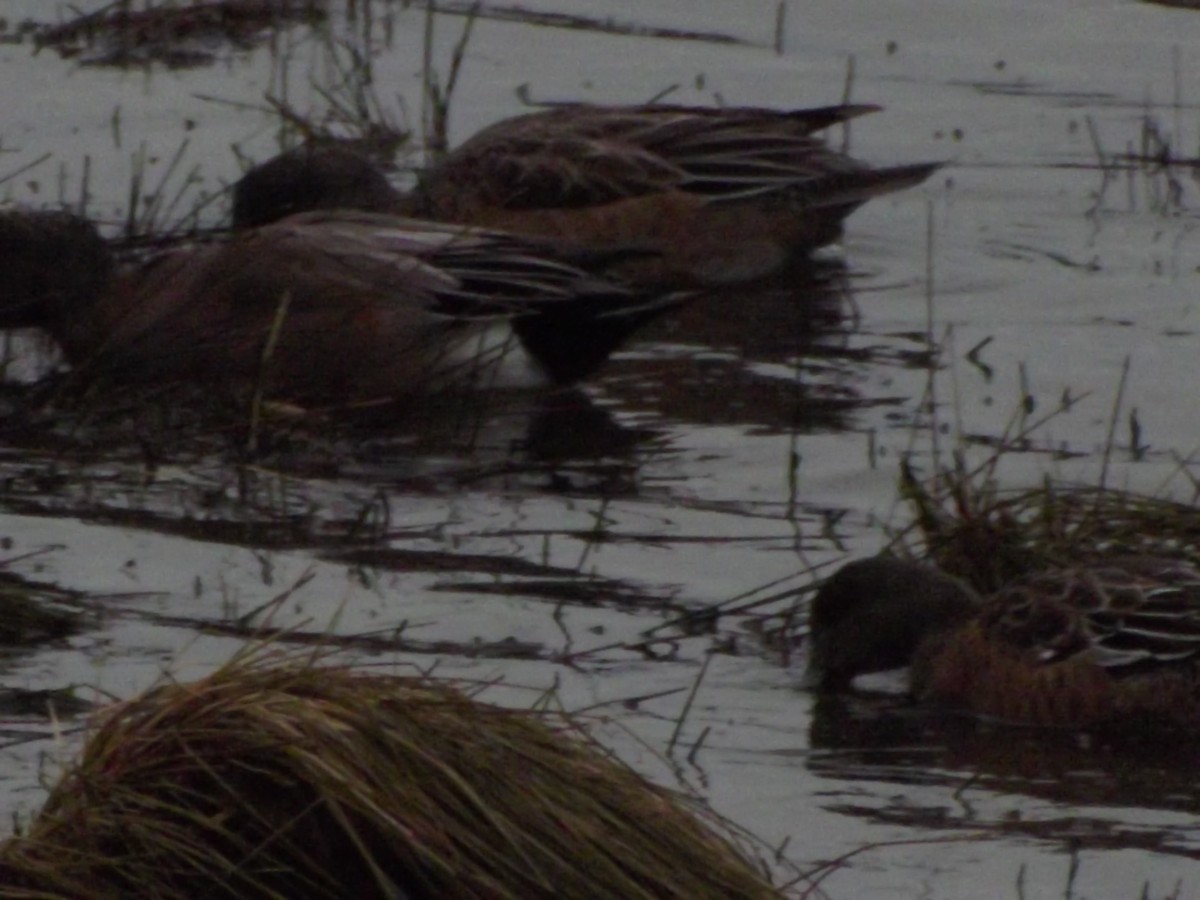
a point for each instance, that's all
(970, 527)
(299, 781)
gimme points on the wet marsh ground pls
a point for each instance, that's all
(1037, 296)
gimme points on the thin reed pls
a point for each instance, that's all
(971, 527)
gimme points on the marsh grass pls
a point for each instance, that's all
(159, 215)
(349, 109)
(1158, 171)
(32, 614)
(169, 198)
(291, 779)
(167, 203)
(970, 526)
(965, 520)
(961, 517)
(437, 90)
(177, 35)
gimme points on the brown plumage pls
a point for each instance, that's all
(707, 196)
(1111, 644)
(337, 305)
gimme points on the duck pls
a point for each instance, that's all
(338, 305)
(714, 196)
(1107, 644)
(320, 175)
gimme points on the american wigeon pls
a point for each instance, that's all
(717, 196)
(1106, 644)
(343, 306)
(312, 177)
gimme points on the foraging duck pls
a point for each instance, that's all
(714, 196)
(342, 305)
(1100, 645)
(312, 177)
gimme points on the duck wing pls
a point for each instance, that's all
(577, 155)
(1121, 616)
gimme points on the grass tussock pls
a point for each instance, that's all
(269, 780)
(969, 526)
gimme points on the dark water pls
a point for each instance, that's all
(574, 541)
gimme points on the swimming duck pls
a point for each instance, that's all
(1103, 644)
(716, 196)
(338, 305)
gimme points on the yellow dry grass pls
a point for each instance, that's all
(294, 780)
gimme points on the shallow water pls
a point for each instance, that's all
(737, 444)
